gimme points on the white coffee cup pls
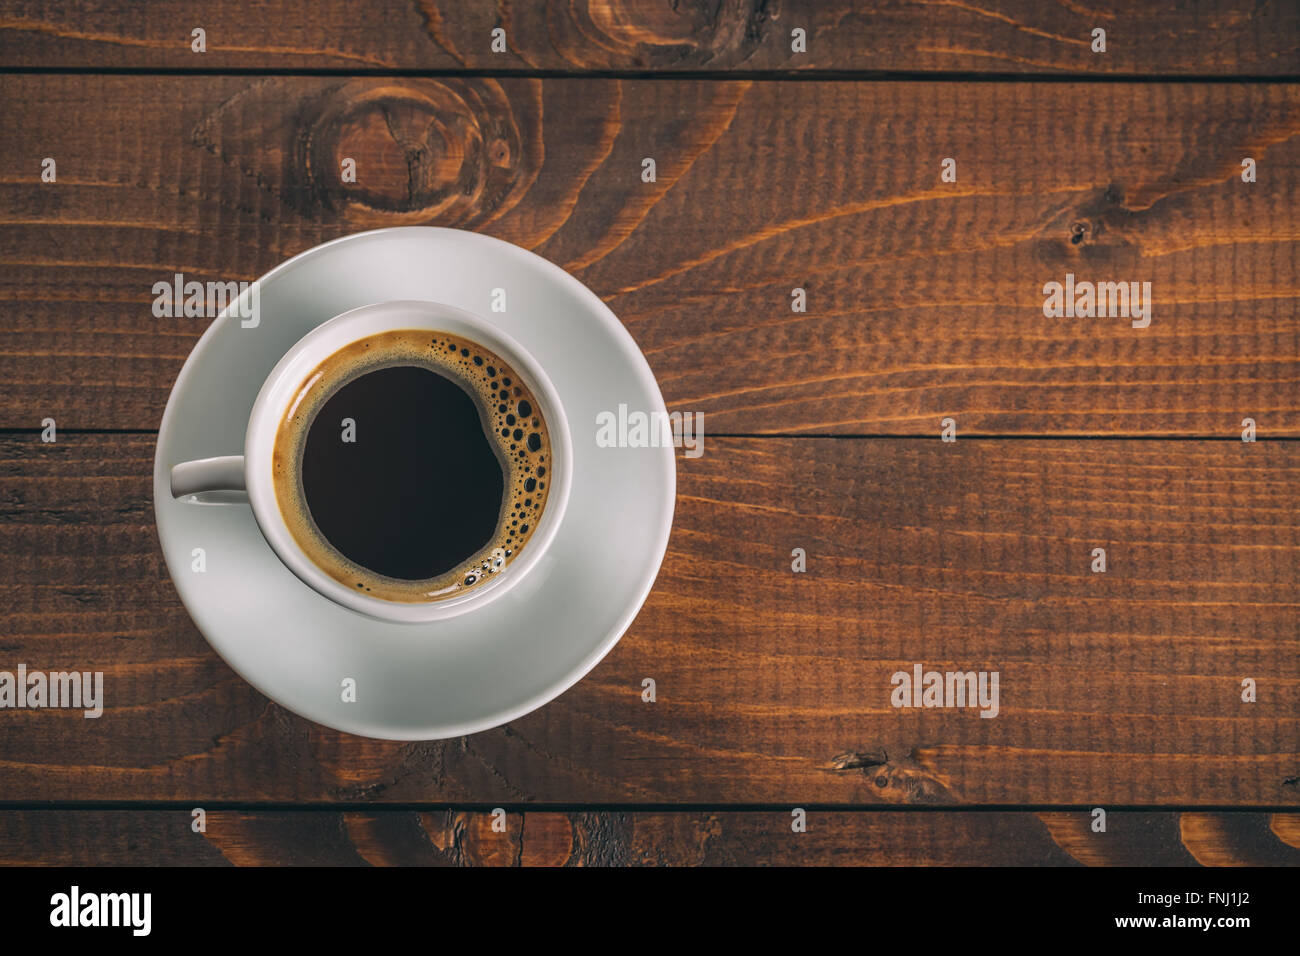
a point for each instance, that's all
(223, 479)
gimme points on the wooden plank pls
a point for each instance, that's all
(925, 299)
(643, 838)
(1213, 37)
(1121, 688)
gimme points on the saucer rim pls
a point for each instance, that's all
(634, 358)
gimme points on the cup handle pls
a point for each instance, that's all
(210, 480)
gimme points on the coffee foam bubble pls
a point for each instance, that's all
(512, 421)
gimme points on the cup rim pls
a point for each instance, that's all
(324, 340)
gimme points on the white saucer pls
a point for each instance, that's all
(487, 667)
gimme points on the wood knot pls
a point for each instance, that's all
(854, 759)
(449, 152)
(686, 33)
(899, 779)
(1100, 229)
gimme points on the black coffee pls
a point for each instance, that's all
(412, 465)
(419, 490)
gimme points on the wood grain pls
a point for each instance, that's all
(924, 298)
(1117, 689)
(1211, 37)
(642, 838)
(1120, 690)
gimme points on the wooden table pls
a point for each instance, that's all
(775, 170)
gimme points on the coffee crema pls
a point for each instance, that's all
(412, 465)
